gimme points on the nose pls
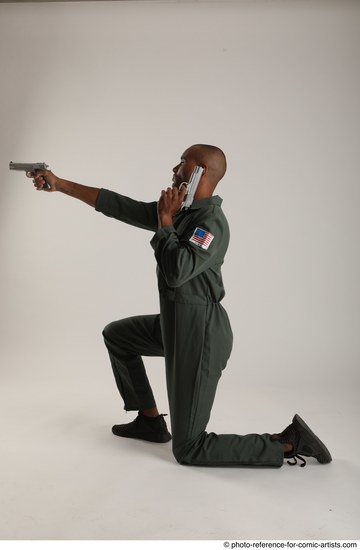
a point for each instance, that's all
(175, 168)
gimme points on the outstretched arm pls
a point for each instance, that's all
(136, 213)
(84, 193)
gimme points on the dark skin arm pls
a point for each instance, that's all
(84, 193)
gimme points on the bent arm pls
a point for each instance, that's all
(182, 259)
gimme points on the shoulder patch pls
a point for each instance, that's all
(201, 238)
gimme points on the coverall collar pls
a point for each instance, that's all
(216, 200)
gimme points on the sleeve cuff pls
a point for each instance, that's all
(101, 200)
(161, 234)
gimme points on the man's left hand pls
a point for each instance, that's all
(169, 204)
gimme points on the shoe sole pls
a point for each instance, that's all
(161, 438)
(322, 452)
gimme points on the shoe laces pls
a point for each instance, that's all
(296, 458)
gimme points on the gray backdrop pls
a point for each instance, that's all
(110, 94)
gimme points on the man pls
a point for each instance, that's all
(192, 332)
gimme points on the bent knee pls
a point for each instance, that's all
(186, 453)
(108, 331)
(113, 332)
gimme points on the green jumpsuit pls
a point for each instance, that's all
(192, 332)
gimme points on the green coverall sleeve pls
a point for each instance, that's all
(179, 259)
(136, 213)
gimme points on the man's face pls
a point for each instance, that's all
(183, 170)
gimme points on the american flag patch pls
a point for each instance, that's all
(201, 238)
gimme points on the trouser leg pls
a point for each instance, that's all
(198, 342)
(127, 340)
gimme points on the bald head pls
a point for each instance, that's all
(212, 157)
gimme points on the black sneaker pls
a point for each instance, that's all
(145, 427)
(304, 442)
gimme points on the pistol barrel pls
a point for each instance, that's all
(28, 167)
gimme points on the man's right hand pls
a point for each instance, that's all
(76, 190)
(43, 177)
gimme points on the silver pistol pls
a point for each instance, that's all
(30, 167)
(191, 187)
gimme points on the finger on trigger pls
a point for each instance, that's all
(39, 177)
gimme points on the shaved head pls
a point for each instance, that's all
(212, 157)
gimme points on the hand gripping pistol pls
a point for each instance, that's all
(30, 167)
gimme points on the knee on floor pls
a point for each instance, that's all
(179, 456)
(185, 453)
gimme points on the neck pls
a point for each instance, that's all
(204, 190)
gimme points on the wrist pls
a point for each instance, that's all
(63, 185)
(165, 219)
(59, 184)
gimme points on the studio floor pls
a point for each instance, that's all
(65, 476)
